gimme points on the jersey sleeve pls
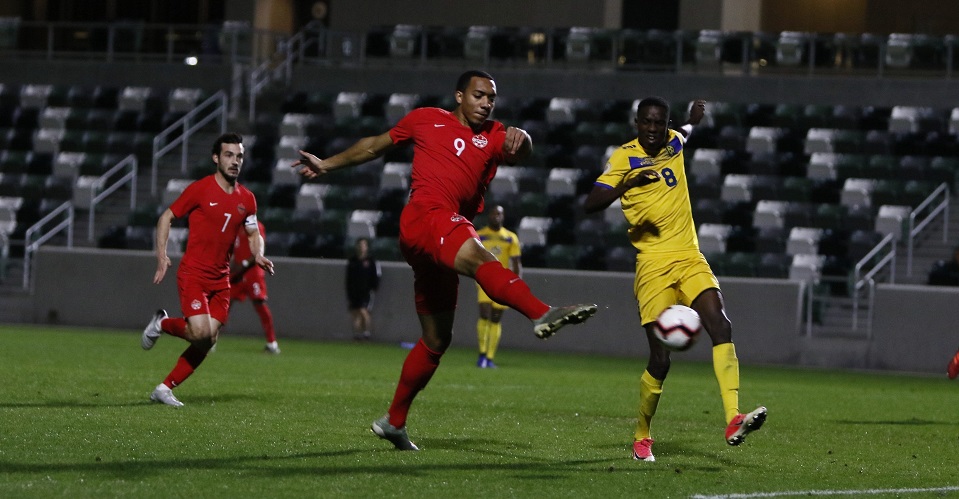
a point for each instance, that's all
(402, 132)
(250, 222)
(614, 172)
(515, 249)
(187, 201)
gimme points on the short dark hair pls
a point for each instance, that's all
(226, 138)
(653, 101)
(464, 79)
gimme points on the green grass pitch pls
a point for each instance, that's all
(75, 421)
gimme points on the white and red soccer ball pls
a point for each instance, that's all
(678, 327)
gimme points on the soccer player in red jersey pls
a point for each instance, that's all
(455, 155)
(248, 280)
(218, 208)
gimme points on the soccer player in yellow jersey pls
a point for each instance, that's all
(647, 175)
(505, 246)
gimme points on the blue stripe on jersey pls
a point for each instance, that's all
(637, 162)
(604, 186)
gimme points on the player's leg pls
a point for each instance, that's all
(366, 323)
(952, 370)
(709, 305)
(436, 292)
(483, 326)
(494, 333)
(464, 253)
(266, 321)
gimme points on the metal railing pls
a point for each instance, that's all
(280, 65)
(216, 106)
(864, 274)
(30, 245)
(916, 226)
(130, 177)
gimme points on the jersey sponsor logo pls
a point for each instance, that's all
(637, 162)
(195, 304)
(480, 141)
(457, 218)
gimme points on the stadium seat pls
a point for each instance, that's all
(823, 165)
(562, 181)
(806, 267)
(532, 230)
(362, 223)
(134, 98)
(707, 161)
(792, 48)
(803, 240)
(562, 110)
(174, 187)
(405, 41)
(184, 100)
(398, 106)
(506, 181)
(737, 187)
(891, 219)
(561, 256)
(295, 124)
(348, 105)
(770, 214)
(712, 237)
(857, 191)
(87, 187)
(763, 139)
(395, 175)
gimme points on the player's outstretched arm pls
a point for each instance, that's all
(696, 113)
(257, 248)
(365, 149)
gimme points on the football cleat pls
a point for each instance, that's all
(744, 424)
(164, 395)
(557, 317)
(152, 332)
(481, 361)
(489, 364)
(272, 347)
(953, 369)
(643, 450)
(396, 436)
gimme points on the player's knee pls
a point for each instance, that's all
(719, 328)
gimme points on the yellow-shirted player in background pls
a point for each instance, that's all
(648, 176)
(505, 246)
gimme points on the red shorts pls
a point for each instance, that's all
(204, 297)
(252, 287)
(430, 237)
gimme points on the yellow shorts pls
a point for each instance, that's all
(665, 279)
(482, 297)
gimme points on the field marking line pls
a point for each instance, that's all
(952, 488)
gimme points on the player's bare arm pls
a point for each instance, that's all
(517, 146)
(696, 113)
(162, 235)
(365, 149)
(600, 197)
(256, 249)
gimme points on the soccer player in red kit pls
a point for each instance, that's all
(218, 208)
(455, 155)
(247, 280)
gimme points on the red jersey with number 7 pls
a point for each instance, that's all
(452, 165)
(215, 219)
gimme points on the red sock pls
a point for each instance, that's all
(504, 286)
(266, 320)
(418, 368)
(185, 365)
(174, 326)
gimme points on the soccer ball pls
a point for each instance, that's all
(677, 327)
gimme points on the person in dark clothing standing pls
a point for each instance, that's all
(362, 280)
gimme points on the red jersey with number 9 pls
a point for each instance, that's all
(215, 219)
(452, 165)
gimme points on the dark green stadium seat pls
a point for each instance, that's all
(561, 256)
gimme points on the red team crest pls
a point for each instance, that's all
(480, 141)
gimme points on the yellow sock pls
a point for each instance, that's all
(726, 367)
(650, 389)
(482, 334)
(492, 339)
